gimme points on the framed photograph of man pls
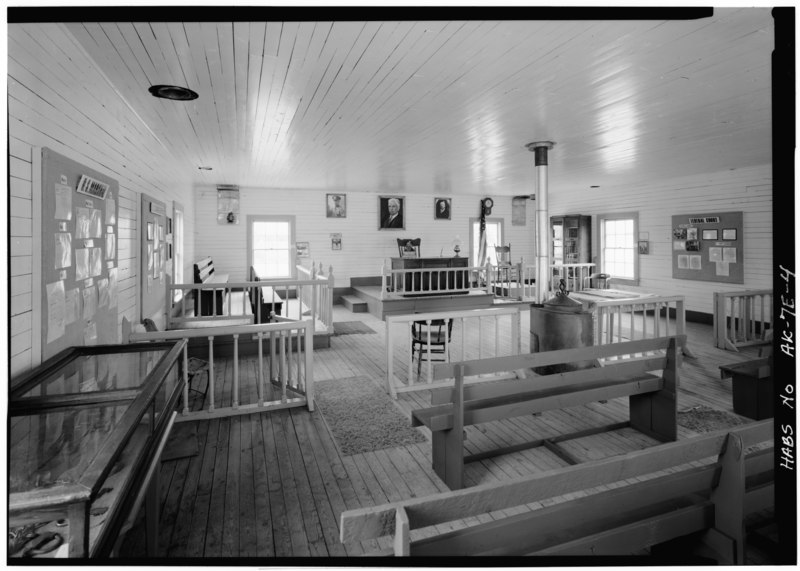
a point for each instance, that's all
(336, 205)
(391, 213)
(441, 208)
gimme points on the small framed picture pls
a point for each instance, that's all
(644, 246)
(710, 234)
(336, 241)
(303, 250)
(336, 205)
(441, 208)
(691, 233)
(729, 233)
(391, 212)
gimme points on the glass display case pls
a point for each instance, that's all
(86, 429)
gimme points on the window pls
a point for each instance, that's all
(270, 243)
(618, 247)
(494, 237)
(177, 244)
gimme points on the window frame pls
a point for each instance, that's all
(600, 237)
(254, 218)
(473, 221)
(178, 250)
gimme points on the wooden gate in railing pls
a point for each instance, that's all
(317, 298)
(742, 318)
(287, 363)
(500, 326)
(617, 321)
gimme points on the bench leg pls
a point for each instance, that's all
(656, 414)
(448, 457)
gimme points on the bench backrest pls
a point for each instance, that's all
(726, 477)
(654, 354)
(203, 270)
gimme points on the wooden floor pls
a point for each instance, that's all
(272, 485)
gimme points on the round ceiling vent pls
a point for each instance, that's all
(173, 92)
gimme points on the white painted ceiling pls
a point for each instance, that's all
(448, 106)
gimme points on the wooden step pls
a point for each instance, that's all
(355, 304)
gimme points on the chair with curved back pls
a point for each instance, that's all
(409, 247)
(506, 271)
(431, 341)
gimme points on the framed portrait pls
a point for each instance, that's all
(691, 233)
(710, 234)
(336, 205)
(391, 212)
(336, 241)
(644, 246)
(441, 208)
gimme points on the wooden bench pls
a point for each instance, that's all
(652, 398)
(697, 493)
(264, 300)
(210, 301)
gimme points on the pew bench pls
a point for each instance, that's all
(210, 301)
(652, 396)
(676, 500)
(264, 300)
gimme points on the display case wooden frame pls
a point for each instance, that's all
(127, 453)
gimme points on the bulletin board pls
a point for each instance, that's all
(153, 256)
(708, 247)
(80, 211)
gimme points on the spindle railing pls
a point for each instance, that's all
(620, 320)
(288, 365)
(318, 298)
(470, 328)
(742, 318)
(575, 275)
(243, 302)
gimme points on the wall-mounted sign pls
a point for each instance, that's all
(92, 187)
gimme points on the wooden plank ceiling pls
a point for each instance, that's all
(447, 106)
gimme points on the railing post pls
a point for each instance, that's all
(260, 368)
(186, 379)
(389, 363)
(309, 355)
(282, 367)
(211, 379)
(235, 370)
(488, 270)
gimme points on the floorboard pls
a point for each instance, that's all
(274, 484)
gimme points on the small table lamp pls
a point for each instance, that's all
(457, 245)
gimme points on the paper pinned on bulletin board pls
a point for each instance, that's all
(63, 202)
(56, 311)
(73, 307)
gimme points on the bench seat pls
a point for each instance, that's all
(210, 301)
(264, 300)
(652, 397)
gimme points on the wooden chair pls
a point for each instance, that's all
(506, 271)
(430, 340)
(409, 247)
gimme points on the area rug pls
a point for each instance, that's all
(351, 328)
(361, 416)
(705, 419)
(182, 442)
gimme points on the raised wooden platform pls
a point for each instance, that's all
(273, 485)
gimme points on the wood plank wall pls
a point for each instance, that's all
(57, 98)
(364, 247)
(745, 189)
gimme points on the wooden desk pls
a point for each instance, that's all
(430, 282)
